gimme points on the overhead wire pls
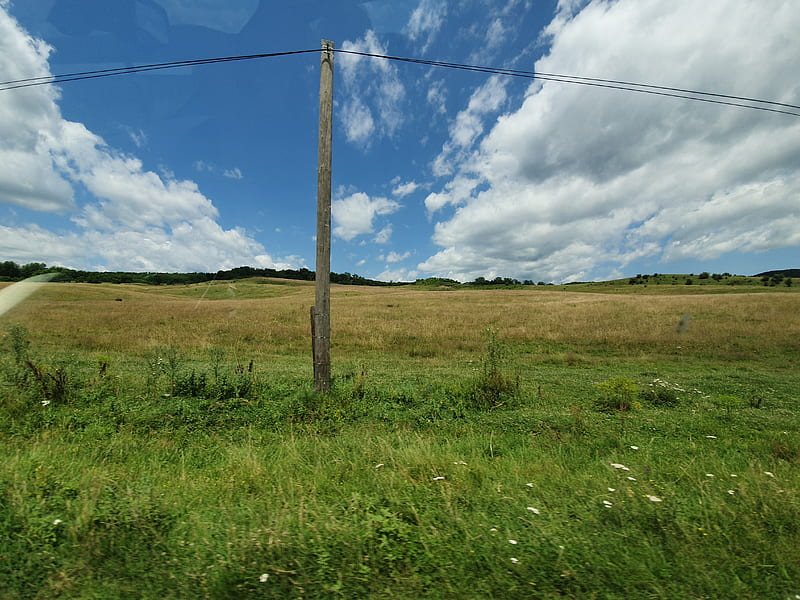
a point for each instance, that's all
(644, 88)
(54, 79)
(641, 88)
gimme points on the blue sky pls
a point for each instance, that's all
(436, 172)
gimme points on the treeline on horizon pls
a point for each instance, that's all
(11, 271)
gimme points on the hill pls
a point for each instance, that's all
(784, 272)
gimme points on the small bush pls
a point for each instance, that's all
(492, 388)
(618, 393)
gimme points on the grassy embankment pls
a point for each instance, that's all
(169, 446)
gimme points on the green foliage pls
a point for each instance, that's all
(492, 388)
(617, 393)
(17, 340)
(728, 402)
(661, 393)
(52, 382)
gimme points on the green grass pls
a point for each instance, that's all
(169, 467)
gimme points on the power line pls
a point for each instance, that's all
(641, 88)
(53, 79)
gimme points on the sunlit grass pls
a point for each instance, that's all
(394, 487)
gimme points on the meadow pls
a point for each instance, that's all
(165, 442)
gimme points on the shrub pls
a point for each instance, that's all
(492, 388)
(618, 393)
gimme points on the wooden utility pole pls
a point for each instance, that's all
(321, 311)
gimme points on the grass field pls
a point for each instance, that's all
(614, 441)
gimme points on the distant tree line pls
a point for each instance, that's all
(11, 271)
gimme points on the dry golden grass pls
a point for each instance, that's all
(260, 319)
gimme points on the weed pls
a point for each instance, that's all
(728, 402)
(17, 337)
(492, 388)
(618, 393)
(788, 451)
(53, 382)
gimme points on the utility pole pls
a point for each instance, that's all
(321, 311)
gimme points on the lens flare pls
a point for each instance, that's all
(17, 292)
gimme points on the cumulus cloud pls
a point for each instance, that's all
(28, 177)
(354, 215)
(397, 275)
(469, 125)
(373, 93)
(134, 218)
(577, 179)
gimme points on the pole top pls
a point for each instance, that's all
(327, 45)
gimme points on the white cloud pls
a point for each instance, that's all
(397, 275)
(437, 96)
(394, 257)
(139, 137)
(358, 122)
(384, 235)
(202, 166)
(133, 219)
(578, 179)
(235, 173)
(354, 215)
(27, 174)
(469, 125)
(425, 22)
(401, 190)
(373, 92)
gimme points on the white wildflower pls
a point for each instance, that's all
(607, 504)
(529, 485)
(57, 522)
(709, 474)
(634, 447)
(612, 489)
(45, 402)
(731, 492)
(438, 478)
(653, 498)
(514, 560)
(534, 510)
(768, 473)
(459, 462)
(264, 577)
(379, 465)
(631, 478)
(619, 466)
(711, 437)
(512, 542)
